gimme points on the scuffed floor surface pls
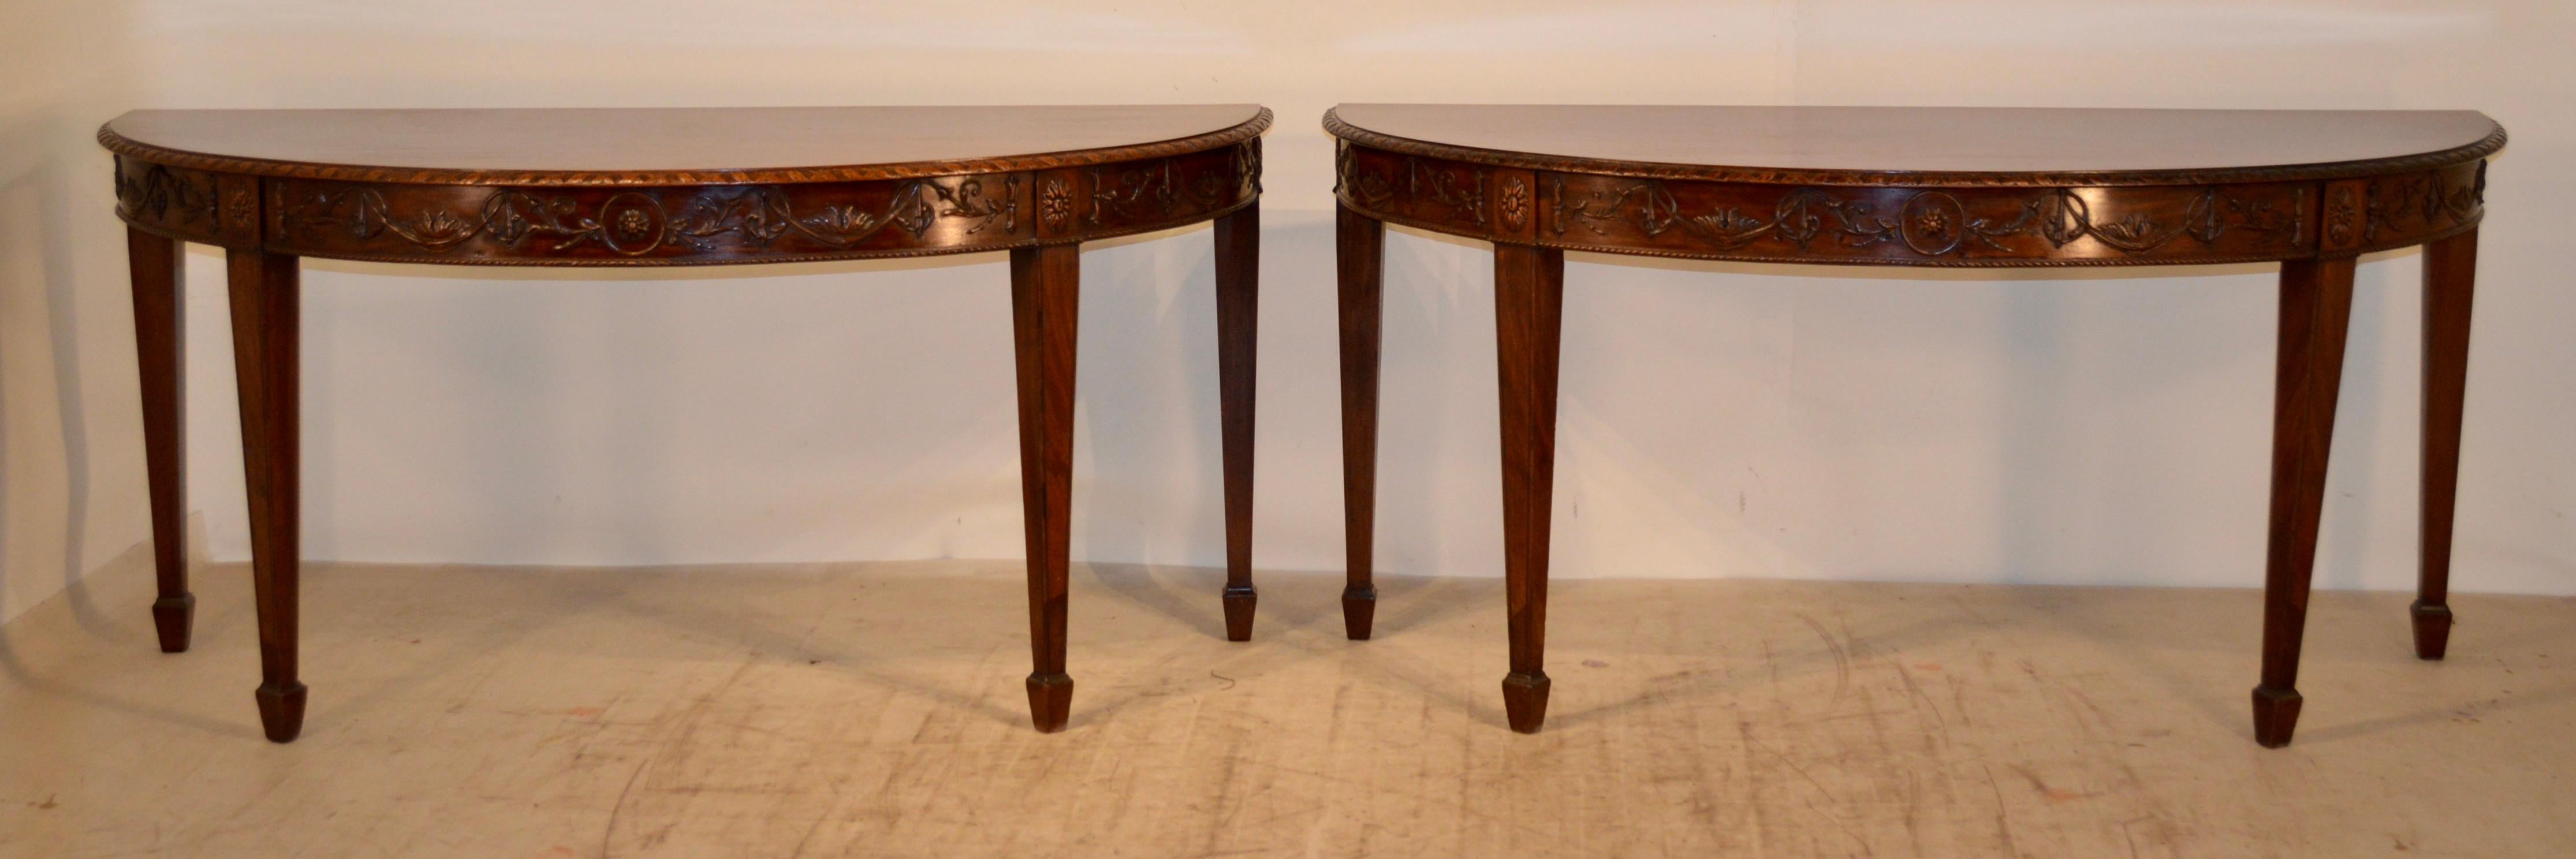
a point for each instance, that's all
(877, 710)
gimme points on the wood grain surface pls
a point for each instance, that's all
(652, 146)
(1924, 145)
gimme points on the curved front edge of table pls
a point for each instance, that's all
(1935, 225)
(690, 224)
(2313, 219)
(1039, 208)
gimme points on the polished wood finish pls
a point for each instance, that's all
(729, 224)
(1529, 305)
(1923, 146)
(265, 339)
(708, 189)
(1238, 299)
(662, 146)
(672, 187)
(2316, 311)
(1958, 211)
(2450, 272)
(1926, 187)
(1045, 295)
(1360, 246)
(160, 337)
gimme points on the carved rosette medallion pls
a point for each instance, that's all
(1514, 203)
(633, 223)
(2343, 216)
(1933, 223)
(1055, 204)
(242, 211)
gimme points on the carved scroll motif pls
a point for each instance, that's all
(636, 222)
(1460, 195)
(2424, 201)
(1930, 223)
(1157, 190)
(161, 195)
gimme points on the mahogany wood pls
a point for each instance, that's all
(2316, 309)
(160, 334)
(1238, 299)
(2450, 272)
(503, 187)
(1926, 187)
(1529, 303)
(1045, 295)
(673, 146)
(671, 187)
(265, 338)
(1926, 146)
(1360, 242)
(1956, 187)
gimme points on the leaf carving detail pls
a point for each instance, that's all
(1933, 223)
(633, 223)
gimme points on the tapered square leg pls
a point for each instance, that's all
(1529, 300)
(2316, 307)
(265, 334)
(1238, 264)
(2450, 276)
(1045, 293)
(160, 335)
(1360, 242)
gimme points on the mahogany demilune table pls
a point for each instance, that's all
(2311, 190)
(670, 187)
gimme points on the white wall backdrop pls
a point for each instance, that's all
(1717, 420)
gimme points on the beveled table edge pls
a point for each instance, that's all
(272, 168)
(2488, 145)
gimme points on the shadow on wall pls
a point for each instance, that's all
(44, 446)
(581, 416)
(2032, 425)
(62, 312)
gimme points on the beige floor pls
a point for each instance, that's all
(876, 710)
